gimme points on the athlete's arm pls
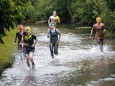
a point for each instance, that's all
(34, 41)
(103, 28)
(57, 19)
(92, 30)
(15, 39)
(48, 33)
(104, 31)
(59, 33)
(49, 20)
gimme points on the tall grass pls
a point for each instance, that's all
(7, 49)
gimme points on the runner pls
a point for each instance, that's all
(30, 41)
(19, 36)
(54, 19)
(54, 39)
(99, 35)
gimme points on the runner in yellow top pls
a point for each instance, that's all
(30, 41)
(99, 35)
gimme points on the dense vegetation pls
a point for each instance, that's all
(13, 12)
(7, 50)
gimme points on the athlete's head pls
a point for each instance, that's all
(51, 26)
(54, 13)
(27, 29)
(20, 27)
(98, 19)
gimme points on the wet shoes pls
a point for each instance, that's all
(52, 56)
(33, 65)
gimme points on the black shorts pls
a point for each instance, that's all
(29, 49)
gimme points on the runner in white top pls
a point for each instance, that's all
(52, 19)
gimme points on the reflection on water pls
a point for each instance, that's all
(79, 63)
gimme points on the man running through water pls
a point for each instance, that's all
(19, 36)
(54, 39)
(30, 42)
(54, 19)
(99, 35)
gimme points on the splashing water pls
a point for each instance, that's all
(48, 71)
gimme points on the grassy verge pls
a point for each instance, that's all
(7, 49)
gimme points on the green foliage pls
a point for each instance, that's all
(42, 9)
(11, 12)
(103, 10)
(18, 11)
(7, 49)
(88, 10)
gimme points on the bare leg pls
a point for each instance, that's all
(100, 42)
(31, 59)
(27, 61)
(31, 55)
(51, 49)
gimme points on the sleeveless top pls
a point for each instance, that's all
(52, 19)
(99, 31)
(53, 36)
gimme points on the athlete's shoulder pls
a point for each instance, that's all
(102, 24)
(33, 36)
(95, 24)
(57, 17)
(51, 16)
(17, 32)
(57, 30)
(48, 28)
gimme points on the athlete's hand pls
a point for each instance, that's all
(33, 45)
(58, 41)
(91, 36)
(14, 43)
(48, 36)
(20, 43)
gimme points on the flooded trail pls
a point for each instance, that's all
(79, 63)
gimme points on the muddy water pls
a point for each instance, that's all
(79, 63)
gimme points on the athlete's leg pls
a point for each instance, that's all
(19, 49)
(26, 54)
(20, 52)
(56, 49)
(51, 49)
(31, 58)
(100, 42)
(27, 61)
(31, 55)
(101, 45)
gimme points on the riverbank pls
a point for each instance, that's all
(6, 50)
